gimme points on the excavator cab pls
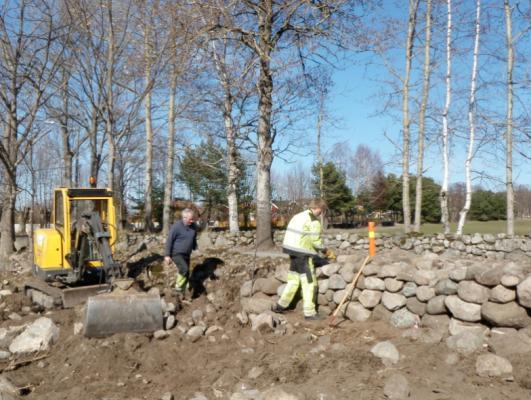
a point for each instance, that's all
(78, 247)
(73, 263)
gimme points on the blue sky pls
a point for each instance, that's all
(356, 101)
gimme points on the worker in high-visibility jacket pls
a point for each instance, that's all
(302, 242)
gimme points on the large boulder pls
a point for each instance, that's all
(523, 292)
(491, 365)
(509, 315)
(463, 310)
(472, 292)
(38, 336)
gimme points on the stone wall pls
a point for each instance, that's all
(483, 245)
(408, 290)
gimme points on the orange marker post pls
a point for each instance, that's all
(372, 240)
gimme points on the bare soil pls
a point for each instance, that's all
(310, 360)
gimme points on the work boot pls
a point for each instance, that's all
(277, 308)
(315, 317)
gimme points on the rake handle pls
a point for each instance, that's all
(351, 286)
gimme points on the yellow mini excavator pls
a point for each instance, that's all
(73, 263)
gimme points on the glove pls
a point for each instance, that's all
(330, 254)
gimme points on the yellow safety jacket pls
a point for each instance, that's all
(303, 234)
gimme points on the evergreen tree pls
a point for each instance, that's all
(337, 194)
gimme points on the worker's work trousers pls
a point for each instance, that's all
(182, 261)
(301, 273)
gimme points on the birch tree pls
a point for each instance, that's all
(422, 119)
(443, 197)
(406, 118)
(471, 123)
(509, 121)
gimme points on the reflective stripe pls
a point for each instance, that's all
(372, 234)
(299, 250)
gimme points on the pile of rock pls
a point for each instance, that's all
(495, 294)
(484, 245)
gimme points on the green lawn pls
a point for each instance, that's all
(521, 227)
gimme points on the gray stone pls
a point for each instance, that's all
(195, 332)
(356, 312)
(465, 343)
(523, 291)
(197, 316)
(386, 351)
(458, 274)
(246, 290)
(262, 322)
(4, 355)
(500, 294)
(336, 282)
(374, 283)
(160, 334)
(457, 326)
(322, 286)
(490, 277)
(371, 269)
(439, 322)
(256, 305)
(462, 310)
(221, 241)
(509, 315)
(330, 269)
(436, 305)
(380, 313)
(396, 387)
(445, 287)
(169, 322)
(393, 301)
(416, 306)
(370, 298)
(347, 272)
(8, 391)
(390, 270)
(510, 281)
(424, 293)
(268, 286)
(38, 336)
(338, 296)
(409, 289)
(472, 292)
(393, 285)
(509, 344)
(491, 365)
(424, 277)
(281, 272)
(404, 318)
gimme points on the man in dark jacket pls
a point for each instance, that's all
(179, 245)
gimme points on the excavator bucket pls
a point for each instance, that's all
(119, 311)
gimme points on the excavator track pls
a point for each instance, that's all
(49, 296)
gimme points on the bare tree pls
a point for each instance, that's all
(365, 164)
(443, 196)
(422, 119)
(509, 130)
(406, 119)
(29, 62)
(472, 123)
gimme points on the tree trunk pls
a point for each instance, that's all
(509, 133)
(232, 159)
(109, 123)
(422, 120)
(95, 158)
(7, 220)
(148, 205)
(168, 180)
(472, 124)
(406, 207)
(264, 238)
(445, 220)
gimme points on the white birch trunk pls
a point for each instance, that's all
(413, 6)
(422, 119)
(509, 133)
(472, 125)
(148, 205)
(445, 219)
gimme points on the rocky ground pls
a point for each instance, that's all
(215, 350)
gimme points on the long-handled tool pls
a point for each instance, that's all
(348, 292)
